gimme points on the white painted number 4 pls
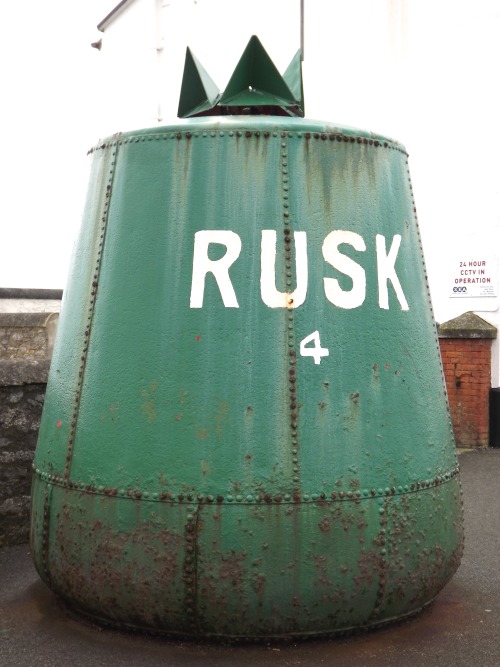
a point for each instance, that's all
(315, 351)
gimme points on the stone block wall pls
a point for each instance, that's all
(27, 335)
(26, 341)
(465, 344)
(20, 411)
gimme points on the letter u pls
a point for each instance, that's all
(270, 295)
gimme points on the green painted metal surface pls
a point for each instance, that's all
(246, 431)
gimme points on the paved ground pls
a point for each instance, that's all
(462, 628)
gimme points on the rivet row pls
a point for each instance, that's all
(290, 332)
(45, 532)
(189, 134)
(429, 299)
(90, 311)
(190, 562)
(196, 499)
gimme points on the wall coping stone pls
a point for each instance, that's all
(28, 293)
(22, 320)
(14, 372)
(467, 325)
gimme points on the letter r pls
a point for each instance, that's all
(202, 265)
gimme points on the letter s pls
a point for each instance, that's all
(339, 297)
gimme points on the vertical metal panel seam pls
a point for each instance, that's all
(429, 302)
(93, 295)
(292, 354)
(191, 567)
(46, 531)
(381, 562)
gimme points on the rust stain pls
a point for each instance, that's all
(149, 410)
(148, 406)
(220, 417)
(258, 582)
(324, 524)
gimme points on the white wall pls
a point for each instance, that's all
(128, 59)
(49, 118)
(217, 31)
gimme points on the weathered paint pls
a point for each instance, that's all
(248, 437)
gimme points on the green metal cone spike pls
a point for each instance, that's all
(255, 86)
(198, 92)
(293, 78)
(256, 79)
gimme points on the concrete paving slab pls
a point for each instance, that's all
(461, 628)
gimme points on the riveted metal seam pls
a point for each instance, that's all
(304, 498)
(46, 531)
(113, 146)
(240, 131)
(290, 320)
(381, 562)
(429, 304)
(190, 566)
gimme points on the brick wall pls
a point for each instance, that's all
(467, 369)
(466, 353)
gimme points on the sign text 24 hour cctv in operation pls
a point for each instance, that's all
(475, 278)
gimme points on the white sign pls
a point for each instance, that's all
(474, 276)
